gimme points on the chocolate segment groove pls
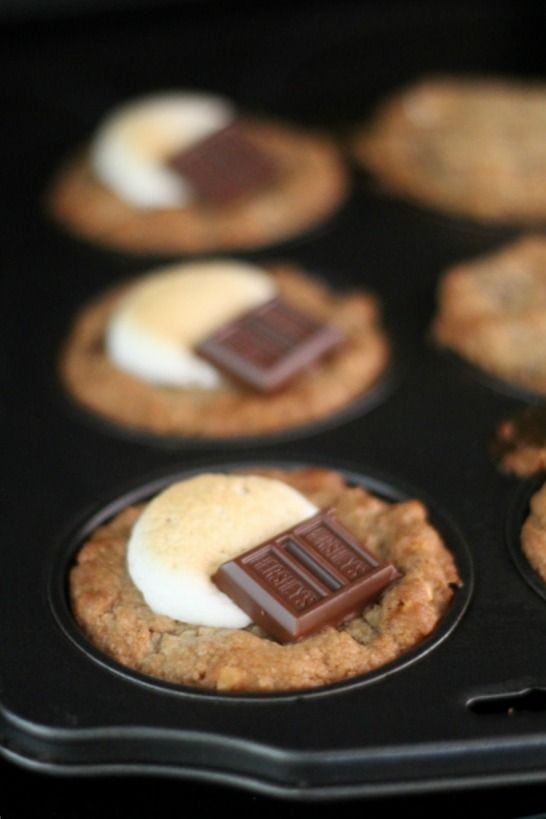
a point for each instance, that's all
(307, 560)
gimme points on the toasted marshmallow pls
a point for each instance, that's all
(161, 319)
(194, 526)
(131, 149)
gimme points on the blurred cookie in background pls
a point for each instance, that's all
(467, 145)
(519, 446)
(184, 172)
(224, 349)
(533, 533)
(492, 312)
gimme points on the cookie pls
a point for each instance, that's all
(113, 614)
(226, 407)
(519, 446)
(533, 533)
(492, 311)
(470, 146)
(182, 173)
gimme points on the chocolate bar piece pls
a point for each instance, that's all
(313, 575)
(225, 166)
(269, 345)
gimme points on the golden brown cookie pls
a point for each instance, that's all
(533, 534)
(472, 146)
(519, 446)
(112, 613)
(336, 380)
(312, 182)
(492, 311)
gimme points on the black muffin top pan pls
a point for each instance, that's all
(465, 709)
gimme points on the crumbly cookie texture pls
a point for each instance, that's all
(533, 534)
(519, 446)
(471, 146)
(312, 183)
(233, 410)
(114, 616)
(492, 311)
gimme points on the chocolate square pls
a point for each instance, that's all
(268, 346)
(308, 577)
(225, 166)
